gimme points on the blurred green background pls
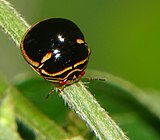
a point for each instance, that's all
(122, 34)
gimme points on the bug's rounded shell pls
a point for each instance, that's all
(55, 48)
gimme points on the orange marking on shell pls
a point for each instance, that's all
(79, 41)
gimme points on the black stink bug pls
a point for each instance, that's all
(55, 48)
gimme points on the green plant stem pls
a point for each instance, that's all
(11, 22)
(85, 105)
(76, 96)
(8, 127)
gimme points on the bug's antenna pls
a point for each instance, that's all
(97, 79)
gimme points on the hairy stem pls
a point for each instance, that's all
(11, 22)
(85, 105)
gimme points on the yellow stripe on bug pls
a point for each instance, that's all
(46, 57)
(57, 73)
(79, 41)
(50, 78)
(30, 61)
(81, 62)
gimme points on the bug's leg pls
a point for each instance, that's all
(97, 79)
(60, 89)
(51, 92)
(56, 89)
